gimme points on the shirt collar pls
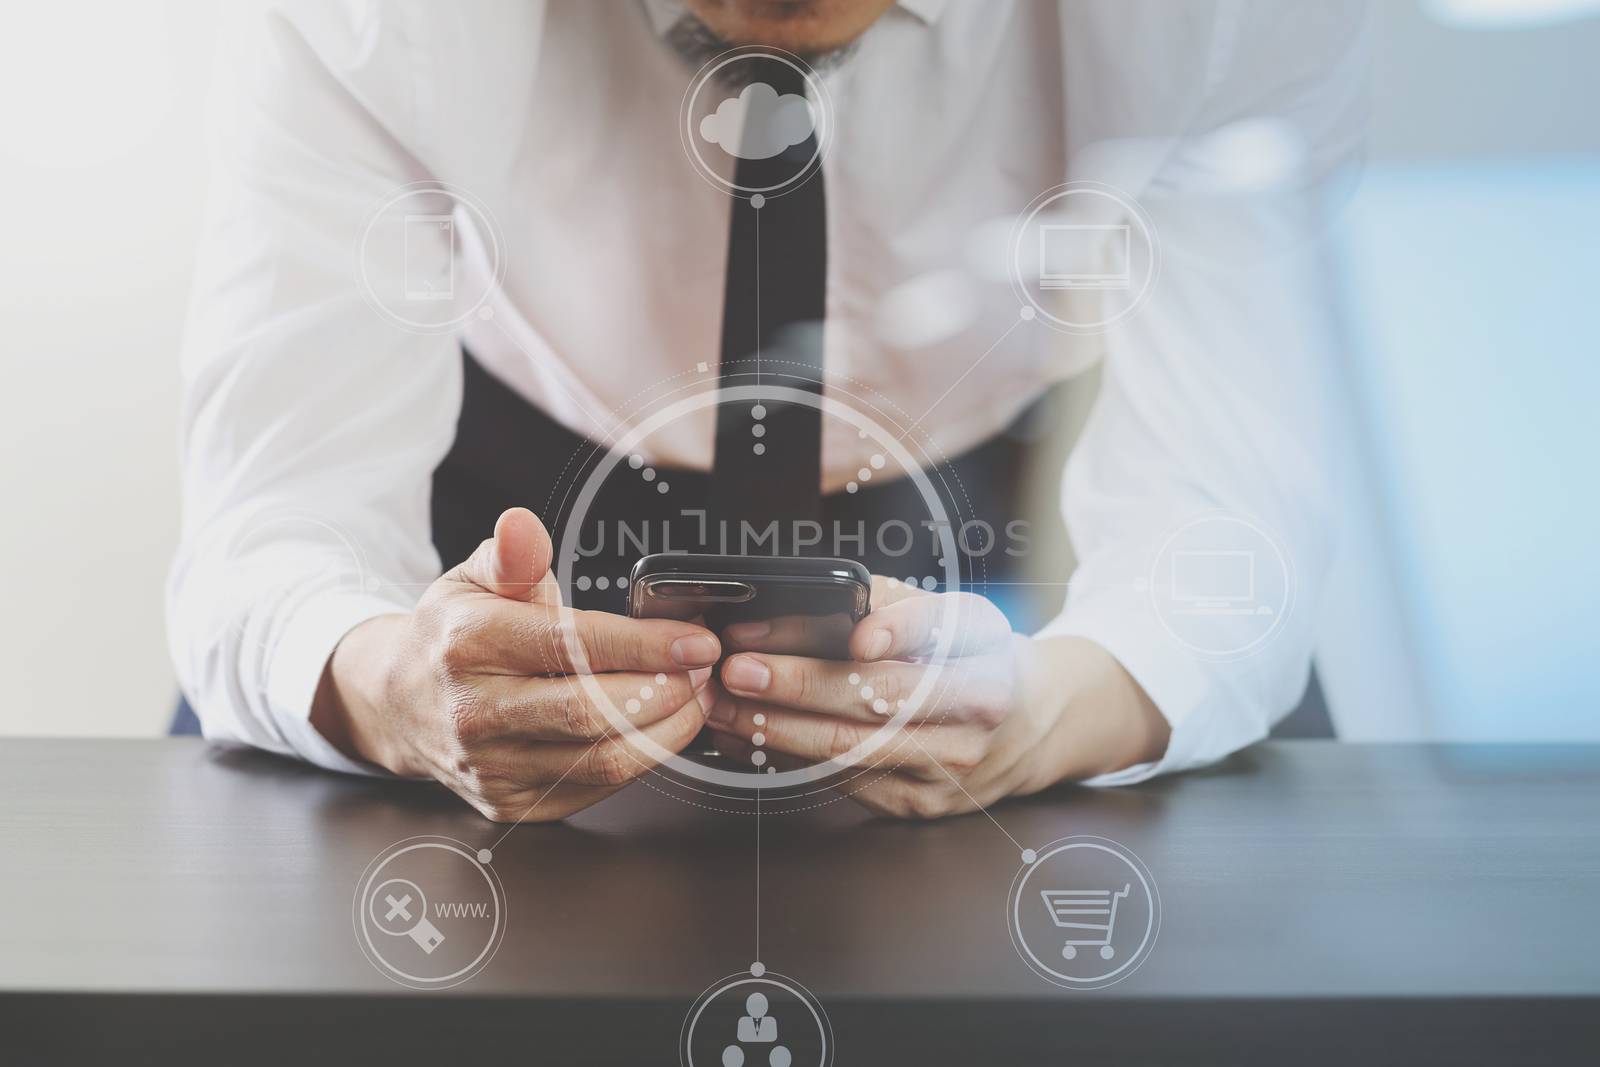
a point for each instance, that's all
(664, 14)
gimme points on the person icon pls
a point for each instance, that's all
(779, 1057)
(733, 1056)
(757, 1027)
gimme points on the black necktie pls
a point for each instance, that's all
(768, 460)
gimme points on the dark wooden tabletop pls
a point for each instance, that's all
(165, 901)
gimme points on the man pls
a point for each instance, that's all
(312, 417)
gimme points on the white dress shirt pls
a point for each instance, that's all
(312, 423)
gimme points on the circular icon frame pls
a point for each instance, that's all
(1020, 891)
(366, 919)
(1094, 192)
(756, 976)
(688, 126)
(1258, 535)
(461, 201)
(771, 779)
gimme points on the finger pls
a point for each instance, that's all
(909, 796)
(535, 805)
(517, 781)
(801, 735)
(516, 768)
(504, 638)
(828, 687)
(961, 624)
(598, 641)
(566, 709)
(824, 636)
(977, 689)
(621, 758)
(514, 562)
(886, 591)
(924, 752)
(898, 758)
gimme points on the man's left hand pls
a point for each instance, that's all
(1004, 713)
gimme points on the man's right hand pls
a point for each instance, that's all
(477, 687)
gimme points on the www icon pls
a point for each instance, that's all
(461, 909)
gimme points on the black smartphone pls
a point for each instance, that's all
(794, 605)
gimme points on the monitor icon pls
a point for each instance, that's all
(1215, 582)
(1084, 255)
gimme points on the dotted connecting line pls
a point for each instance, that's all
(759, 738)
(583, 582)
(646, 692)
(867, 777)
(636, 461)
(759, 430)
(870, 695)
(865, 473)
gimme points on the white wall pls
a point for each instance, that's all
(101, 173)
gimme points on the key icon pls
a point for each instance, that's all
(400, 908)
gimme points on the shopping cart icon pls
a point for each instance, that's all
(1079, 909)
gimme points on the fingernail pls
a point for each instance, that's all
(879, 644)
(698, 678)
(721, 710)
(745, 632)
(747, 674)
(694, 650)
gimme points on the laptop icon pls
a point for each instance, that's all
(1077, 255)
(1215, 582)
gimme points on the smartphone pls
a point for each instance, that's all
(793, 605)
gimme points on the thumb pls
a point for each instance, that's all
(514, 561)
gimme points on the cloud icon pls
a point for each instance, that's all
(758, 123)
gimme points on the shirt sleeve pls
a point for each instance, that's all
(1215, 394)
(311, 424)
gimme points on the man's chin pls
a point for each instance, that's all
(805, 27)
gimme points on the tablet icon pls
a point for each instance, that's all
(427, 237)
(430, 258)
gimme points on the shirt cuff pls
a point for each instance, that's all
(305, 643)
(1182, 687)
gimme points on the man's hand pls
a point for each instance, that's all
(477, 686)
(1007, 714)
